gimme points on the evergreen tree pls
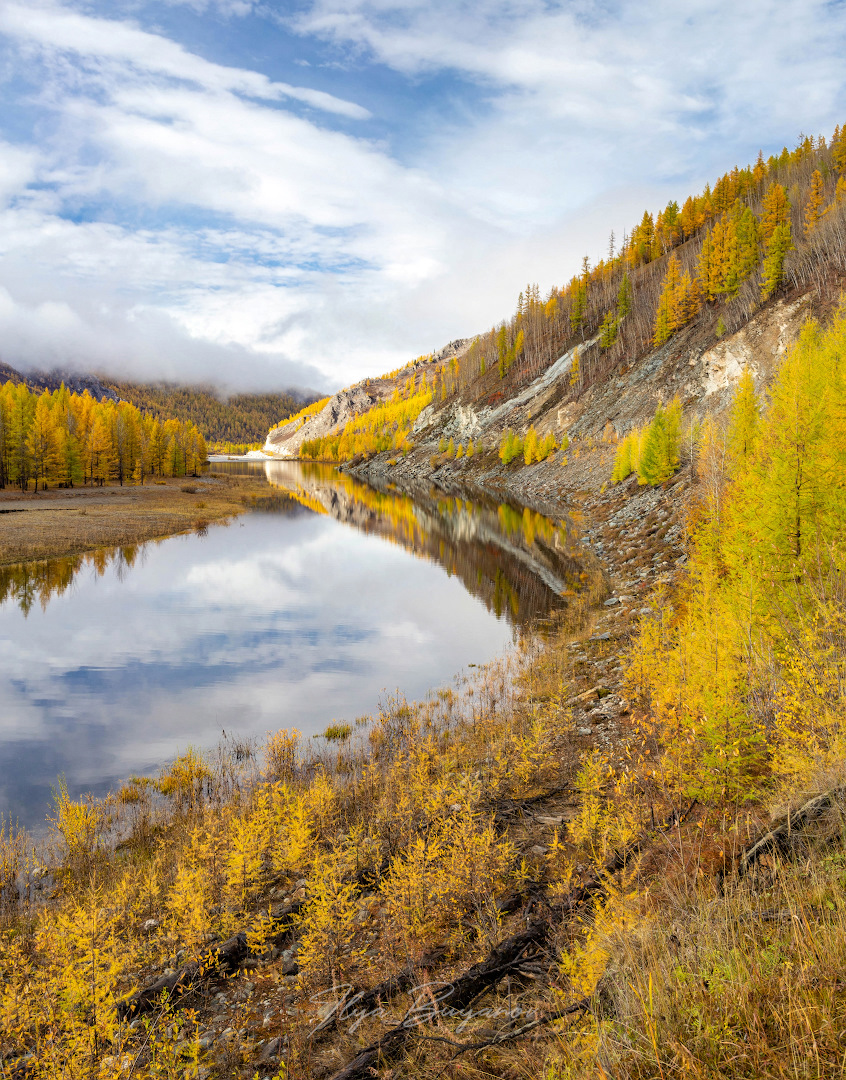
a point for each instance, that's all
(624, 297)
(779, 244)
(659, 456)
(748, 244)
(608, 331)
(579, 300)
(624, 463)
(653, 468)
(575, 369)
(679, 302)
(666, 314)
(744, 419)
(838, 148)
(776, 211)
(798, 499)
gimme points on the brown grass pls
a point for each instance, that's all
(55, 523)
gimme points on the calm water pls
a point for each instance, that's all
(306, 612)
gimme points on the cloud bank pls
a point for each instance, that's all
(176, 203)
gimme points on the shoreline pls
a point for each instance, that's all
(72, 521)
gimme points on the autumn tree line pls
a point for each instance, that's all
(63, 439)
(743, 673)
(385, 427)
(757, 231)
(228, 425)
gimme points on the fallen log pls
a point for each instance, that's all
(778, 839)
(502, 960)
(217, 960)
(360, 1003)
(457, 996)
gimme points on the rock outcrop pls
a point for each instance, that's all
(285, 441)
(694, 364)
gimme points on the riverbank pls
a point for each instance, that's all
(59, 522)
(492, 874)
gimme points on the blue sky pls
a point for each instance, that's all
(262, 193)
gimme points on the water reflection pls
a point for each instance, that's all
(28, 584)
(520, 563)
(113, 662)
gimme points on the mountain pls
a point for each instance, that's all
(75, 382)
(238, 419)
(696, 293)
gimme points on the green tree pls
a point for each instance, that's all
(608, 330)
(776, 211)
(659, 457)
(778, 246)
(743, 424)
(624, 297)
(666, 317)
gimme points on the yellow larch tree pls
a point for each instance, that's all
(814, 205)
(776, 210)
(43, 443)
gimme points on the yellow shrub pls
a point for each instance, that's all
(444, 880)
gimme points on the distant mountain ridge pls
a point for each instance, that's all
(75, 381)
(238, 419)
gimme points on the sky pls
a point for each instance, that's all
(266, 194)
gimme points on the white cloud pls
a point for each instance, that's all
(110, 42)
(174, 213)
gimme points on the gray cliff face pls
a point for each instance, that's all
(286, 440)
(695, 365)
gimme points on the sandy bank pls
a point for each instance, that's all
(54, 523)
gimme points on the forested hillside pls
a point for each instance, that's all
(776, 225)
(241, 419)
(694, 273)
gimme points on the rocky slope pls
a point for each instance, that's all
(695, 364)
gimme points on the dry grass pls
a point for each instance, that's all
(742, 978)
(69, 522)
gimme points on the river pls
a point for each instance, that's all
(310, 610)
